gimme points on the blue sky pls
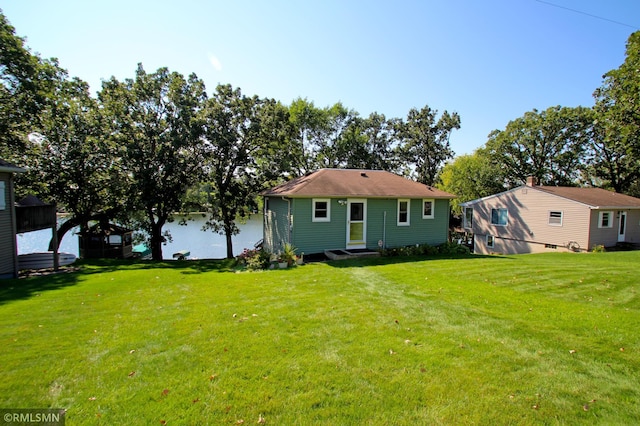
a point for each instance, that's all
(490, 61)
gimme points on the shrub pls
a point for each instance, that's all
(426, 250)
(453, 248)
(598, 249)
(255, 259)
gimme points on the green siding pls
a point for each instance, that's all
(315, 237)
(421, 231)
(276, 224)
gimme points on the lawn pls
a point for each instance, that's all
(529, 339)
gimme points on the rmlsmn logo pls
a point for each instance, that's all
(31, 417)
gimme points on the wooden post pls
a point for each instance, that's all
(54, 237)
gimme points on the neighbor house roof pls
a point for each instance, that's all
(6, 167)
(594, 197)
(355, 183)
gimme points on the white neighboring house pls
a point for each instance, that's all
(533, 219)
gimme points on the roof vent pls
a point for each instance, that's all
(363, 174)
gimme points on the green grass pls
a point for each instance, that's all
(532, 339)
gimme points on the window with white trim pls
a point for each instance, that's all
(403, 212)
(499, 217)
(490, 241)
(428, 207)
(321, 210)
(605, 220)
(555, 218)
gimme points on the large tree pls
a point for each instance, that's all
(616, 141)
(76, 161)
(425, 142)
(246, 142)
(549, 145)
(153, 121)
(28, 86)
(469, 177)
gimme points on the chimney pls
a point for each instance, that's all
(531, 181)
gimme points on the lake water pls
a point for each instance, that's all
(201, 244)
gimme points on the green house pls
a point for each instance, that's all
(346, 209)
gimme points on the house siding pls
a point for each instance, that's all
(608, 237)
(315, 237)
(276, 224)
(420, 231)
(8, 253)
(527, 229)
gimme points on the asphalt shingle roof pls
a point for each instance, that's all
(595, 197)
(355, 183)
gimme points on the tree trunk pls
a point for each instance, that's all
(66, 226)
(156, 239)
(228, 234)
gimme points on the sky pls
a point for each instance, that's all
(488, 60)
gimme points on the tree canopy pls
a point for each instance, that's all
(140, 151)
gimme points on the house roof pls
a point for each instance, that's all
(594, 197)
(355, 183)
(6, 167)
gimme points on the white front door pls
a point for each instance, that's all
(622, 226)
(356, 224)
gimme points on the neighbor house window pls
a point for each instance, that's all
(490, 241)
(555, 218)
(427, 209)
(403, 212)
(499, 217)
(468, 217)
(605, 220)
(321, 210)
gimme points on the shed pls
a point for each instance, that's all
(106, 240)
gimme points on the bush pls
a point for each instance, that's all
(453, 248)
(426, 250)
(598, 249)
(254, 260)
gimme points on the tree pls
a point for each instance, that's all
(336, 141)
(309, 128)
(246, 142)
(371, 143)
(81, 172)
(470, 177)
(616, 141)
(549, 145)
(425, 142)
(153, 121)
(28, 85)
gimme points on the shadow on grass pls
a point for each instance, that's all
(25, 288)
(32, 285)
(390, 260)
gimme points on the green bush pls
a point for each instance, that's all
(426, 250)
(255, 259)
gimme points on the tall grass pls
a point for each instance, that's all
(550, 339)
